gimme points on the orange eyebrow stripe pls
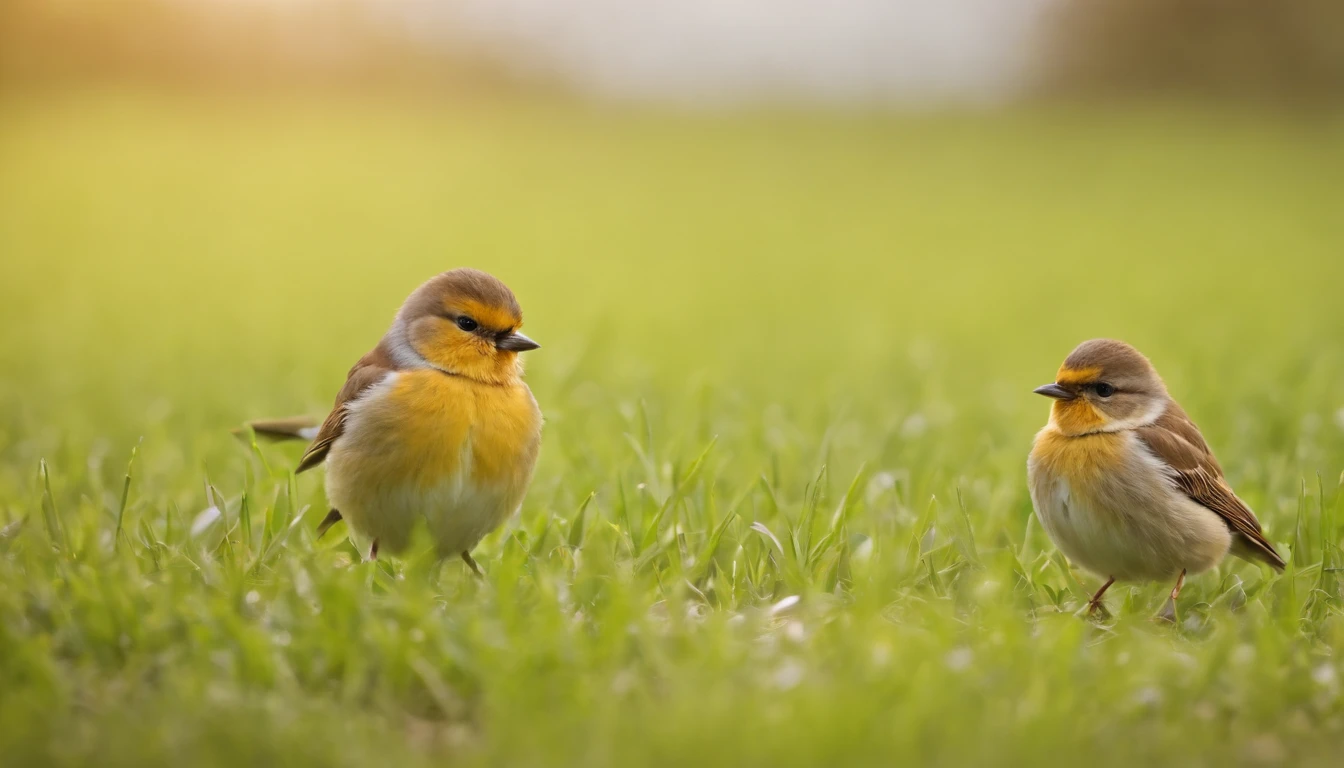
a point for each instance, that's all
(1077, 375)
(494, 318)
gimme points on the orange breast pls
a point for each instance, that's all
(1075, 417)
(451, 420)
(1084, 461)
(506, 434)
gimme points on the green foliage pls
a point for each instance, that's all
(780, 515)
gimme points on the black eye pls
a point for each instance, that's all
(467, 324)
(1104, 389)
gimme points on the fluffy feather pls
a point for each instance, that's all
(435, 424)
(1123, 481)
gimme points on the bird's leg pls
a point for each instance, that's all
(1169, 610)
(1094, 604)
(373, 550)
(476, 569)
(333, 517)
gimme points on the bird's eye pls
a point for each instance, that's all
(467, 324)
(1104, 389)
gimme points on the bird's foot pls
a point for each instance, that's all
(1168, 612)
(1095, 607)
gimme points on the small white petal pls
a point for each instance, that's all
(959, 659)
(914, 426)
(204, 520)
(1148, 697)
(784, 605)
(789, 675)
(1243, 655)
(1324, 675)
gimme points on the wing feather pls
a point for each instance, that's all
(1176, 441)
(371, 369)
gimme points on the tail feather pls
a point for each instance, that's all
(333, 517)
(1258, 548)
(293, 428)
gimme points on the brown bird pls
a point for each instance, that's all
(434, 425)
(1124, 483)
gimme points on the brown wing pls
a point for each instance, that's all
(370, 370)
(1177, 441)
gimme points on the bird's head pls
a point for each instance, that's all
(1104, 386)
(466, 322)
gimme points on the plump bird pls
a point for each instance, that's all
(434, 425)
(1124, 483)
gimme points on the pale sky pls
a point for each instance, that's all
(743, 50)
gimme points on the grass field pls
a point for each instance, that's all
(780, 516)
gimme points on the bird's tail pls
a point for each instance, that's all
(333, 517)
(1257, 548)
(292, 428)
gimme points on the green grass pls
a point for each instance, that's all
(780, 516)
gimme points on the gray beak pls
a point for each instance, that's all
(1055, 391)
(516, 342)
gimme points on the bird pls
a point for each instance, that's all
(434, 425)
(1124, 483)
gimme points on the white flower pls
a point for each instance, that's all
(959, 659)
(1148, 696)
(789, 675)
(784, 605)
(204, 520)
(914, 426)
(1324, 675)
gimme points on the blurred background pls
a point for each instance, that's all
(855, 52)
(836, 240)
(871, 192)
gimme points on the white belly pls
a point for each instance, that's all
(1133, 525)
(456, 513)
(384, 493)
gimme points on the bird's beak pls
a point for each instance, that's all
(1055, 391)
(516, 342)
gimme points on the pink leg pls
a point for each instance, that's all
(1171, 602)
(1176, 590)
